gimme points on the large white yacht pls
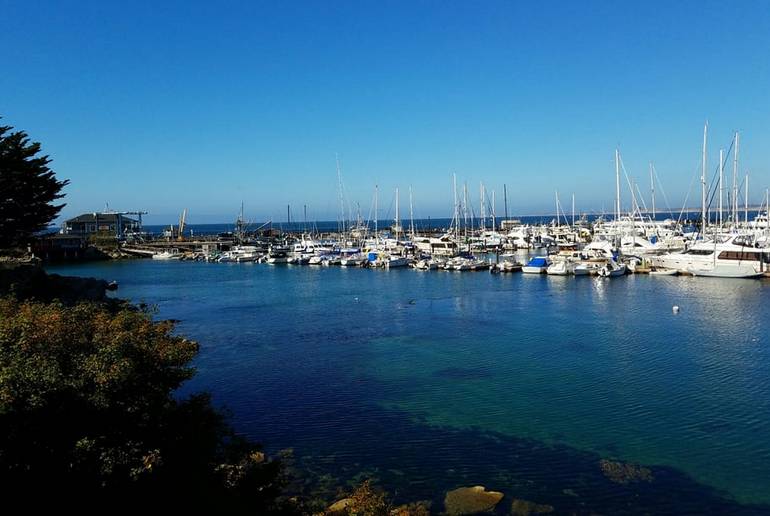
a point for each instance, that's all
(725, 253)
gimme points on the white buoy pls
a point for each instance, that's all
(675, 309)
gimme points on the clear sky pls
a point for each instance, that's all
(167, 105)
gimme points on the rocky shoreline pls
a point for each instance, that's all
(26, 279)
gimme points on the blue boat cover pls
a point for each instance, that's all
(538, 261)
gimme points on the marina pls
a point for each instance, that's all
(593, 248)
(719, 240)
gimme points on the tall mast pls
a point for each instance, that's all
(376, 199)
(721, 187)
(505, 200)
(465, 209)
(573, 210)
(652, 188)
(493, 210)
(703, 182)
(735, 182)
(617, 186)
(746, 201)
(398, 223)
(457, 209)
(411, 212)
(342, 197)
(483, 223)
(557, 208)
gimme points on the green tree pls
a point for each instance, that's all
(28, 188)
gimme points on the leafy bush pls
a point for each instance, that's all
(86, 405)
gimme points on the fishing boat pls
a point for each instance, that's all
(537, 265)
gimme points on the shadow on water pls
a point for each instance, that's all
(414, 460)
(570, 480)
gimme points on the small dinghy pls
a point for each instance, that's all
(664, 272)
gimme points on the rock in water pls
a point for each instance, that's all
(471, 500)
(527, 508)
(421, 508)
(339, 507)
(622, 473)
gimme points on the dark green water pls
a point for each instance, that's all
(433, 380)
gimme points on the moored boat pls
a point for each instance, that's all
(537, 265)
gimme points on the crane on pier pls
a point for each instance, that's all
(182, 222)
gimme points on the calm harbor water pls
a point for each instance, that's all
(428, 381)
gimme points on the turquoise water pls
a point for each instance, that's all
(432, 380)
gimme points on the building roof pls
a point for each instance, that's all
(106, 218)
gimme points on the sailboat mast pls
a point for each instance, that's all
(557, 208)
(573, 210)
(703, 182)
(465, 209)
(342, 197)
(652, 188)
(735, 182)
(411, 212)
(483, 223)
(746, 201)
(398, 223)
(721, 187)
(617, 186)
(493, 210)
(376, 200)
(505, 201)
(457, 209)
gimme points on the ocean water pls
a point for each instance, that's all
(427, 381)
(419, 224)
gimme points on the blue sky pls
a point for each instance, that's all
(162, 106)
